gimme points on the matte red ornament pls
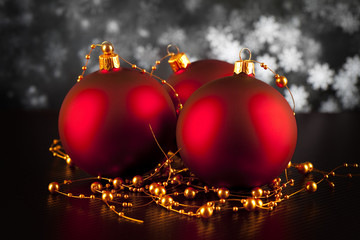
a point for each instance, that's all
(104, 122)
(236, 132)
(186, 80)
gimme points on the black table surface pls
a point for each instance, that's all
(326, 140)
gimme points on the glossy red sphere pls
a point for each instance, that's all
(186, 81)
(236, 132)
(104, 122)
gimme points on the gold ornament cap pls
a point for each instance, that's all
(178, 60)
(245, 66)
(109, 59)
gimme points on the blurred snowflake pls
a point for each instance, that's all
(33, 99)
(112, 27)
(146, 55)
(320, 76)
(266, 75)
(329, 106)
(192, 5)
(267, 29)
(345, 83)
(301, 98)
(222, 44)
(344, 18)
(290, 59)
(55, 55)
(173, 35)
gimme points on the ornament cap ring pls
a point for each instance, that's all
(242, 51)
(170, 46)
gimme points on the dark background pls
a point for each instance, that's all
(315, 43)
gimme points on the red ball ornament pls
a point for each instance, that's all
(236, 132)
(104, 122)
(188, 77)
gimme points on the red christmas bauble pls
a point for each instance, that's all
(236, 132)
(186, 81)
(104, 122)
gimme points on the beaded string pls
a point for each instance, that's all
(281, 81)
(142, 70)
(165, 184)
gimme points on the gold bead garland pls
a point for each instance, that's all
(168, 183)
(107, 47)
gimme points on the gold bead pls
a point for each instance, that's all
(177, 179)
(223, 193)
(349, 175)
(222, 200)
(84, 68)
(121, 214)
(107, 196)
(190, 193)
(345, 165)
(218, 208)
(152, 187)
(134, 66)
(107, 47)
(250, 204)
(167, 201)
(163, 81)
(181, 211)
(53, 187)
(303, 168)
(257, 192)
(70, 194)
(289, 164)
(310, 166)
(205, 211)
(92, 196)
(87, 56)
(126, 196)
(292, 182)
(124, 204)
(356, 165)
(157, 62)
(137, 181)
(112, 207)
(281, 81)
(153, 68)
(68, 160)
(259, 203)
(176, 204)
(235, 209)
(160, 191)
(143, 71)
(93, 46)
(286, 197)
(311, 186)
(331, 185)
(117, 183)
(81, 196)
(95, 187)
(80, 77)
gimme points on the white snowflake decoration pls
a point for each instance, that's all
(172, 36)
(33, 99)
(222, 44)
(329, 106)
(290, 59)
(320, 76)
(267, 29)
(301, 98)
(146, 55)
